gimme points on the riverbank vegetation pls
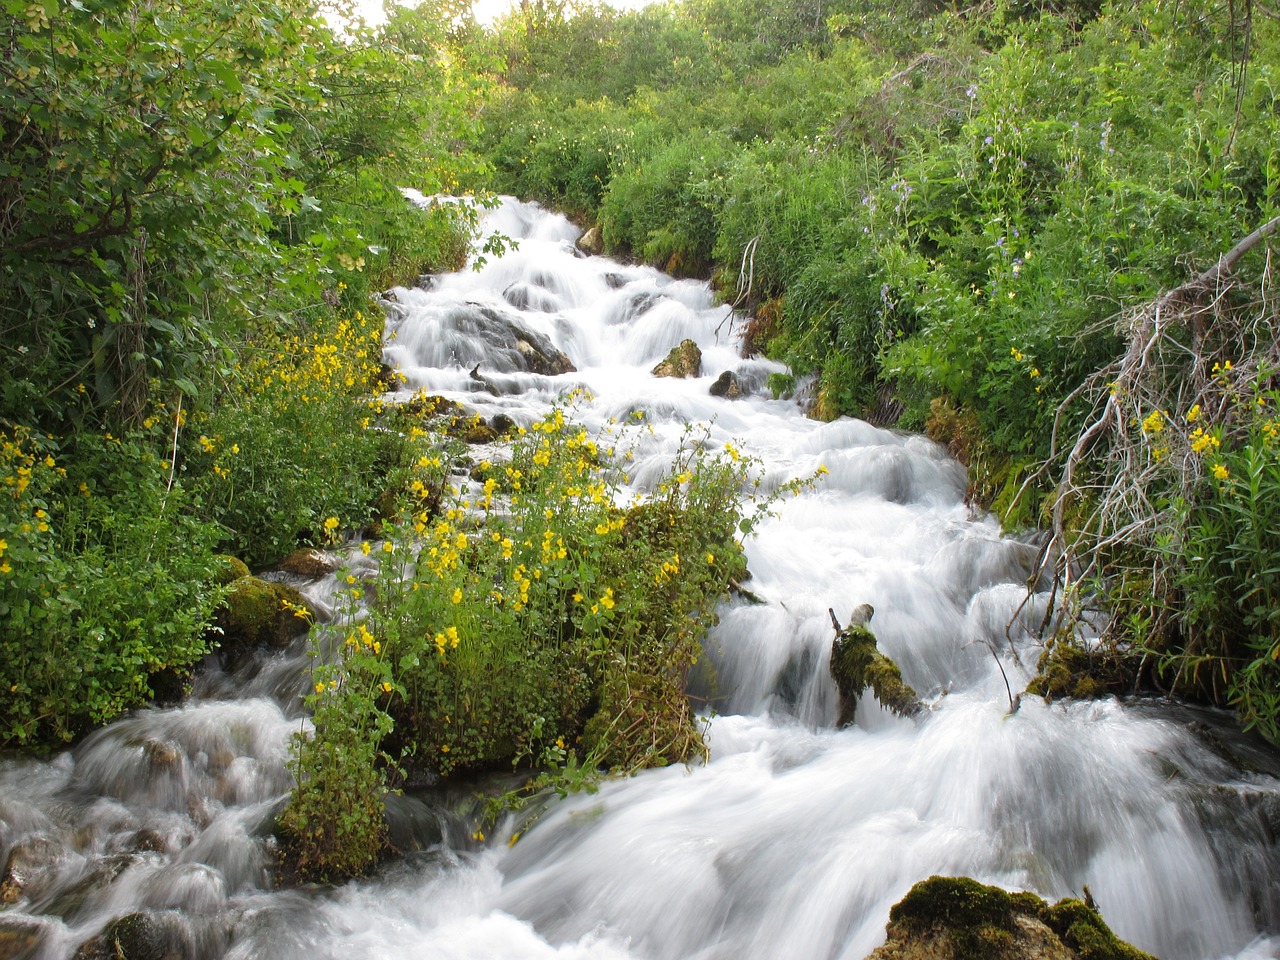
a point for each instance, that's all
(197, 202)
(1001, 224)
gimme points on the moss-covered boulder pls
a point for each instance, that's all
(957, 918)
(310, 562)
(258, 614)
(856, 664)
(135, 936)
(1067, 671)
(229, 570)
(684, 360)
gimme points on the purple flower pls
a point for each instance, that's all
(989, 140)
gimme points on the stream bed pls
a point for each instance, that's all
(795, 839)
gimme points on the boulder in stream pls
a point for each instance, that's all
(956, 918)
(135, 936)
(726, 386)
(261, 614)
(310, 562)
(591, 242)
(34, 864)
(684, 360)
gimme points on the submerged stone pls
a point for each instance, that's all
(957, 918)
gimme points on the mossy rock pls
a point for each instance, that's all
(310, 562)
(259, 614)
(856, 664)
(1066, 671)
(958, 918)
(135, 936)
(1082, 929)
(684, 360)
(229, 570)
(471, 430)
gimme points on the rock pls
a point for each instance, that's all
(20, 936)
(310, 562)
(135, 936)
(856, 663)
(502, 425)
(260, 614)
(471, 430)
(956, 918)
(230, 569)
(510, 345)
(683, 361)
(33, 865)
(726, 386)
(591, 242)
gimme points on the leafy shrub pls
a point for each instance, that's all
(528, 618)
(106, 580)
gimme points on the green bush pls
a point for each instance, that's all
(106, 580)
(529, 620)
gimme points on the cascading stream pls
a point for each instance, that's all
(796, 838)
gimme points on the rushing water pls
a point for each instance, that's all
(796, 838)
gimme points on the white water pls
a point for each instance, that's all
(796, 838)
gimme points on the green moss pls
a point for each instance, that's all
(953, 901)
(1083, 930)
(1065, 671)
(981, 922)
(230, 569)
(257, 613)
(856, 664)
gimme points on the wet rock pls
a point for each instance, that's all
(684, 360)
(956, 918)
(726, 386)
(258, 614)
(135, 936)
(591, 242)
(19, 937)
(32, 867)
(513, 346)
(310, 562)
(856, 664)
(471, 430)
(502, 425)
(163, 755)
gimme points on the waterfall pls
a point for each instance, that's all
(796, 837)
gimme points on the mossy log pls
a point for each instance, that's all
(956, 918)
(856, 664)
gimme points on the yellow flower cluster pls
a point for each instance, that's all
(669, 569)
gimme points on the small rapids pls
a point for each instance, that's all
(796, 837)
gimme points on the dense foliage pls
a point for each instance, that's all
(557, 631)
(197, 200)
(948, 219)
